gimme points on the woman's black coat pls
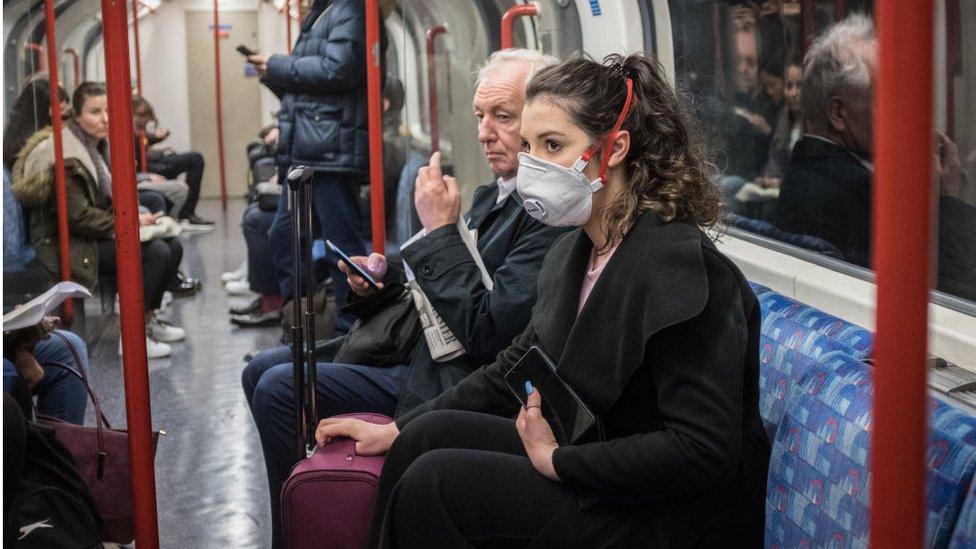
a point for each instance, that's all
(665, 352)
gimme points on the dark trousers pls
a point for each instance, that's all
(153, 201)
(336, 212)
(462, 479)
(261, 274)
(341, 389)
(172, 165)
(160, 262)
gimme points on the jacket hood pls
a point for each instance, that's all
(33, 176)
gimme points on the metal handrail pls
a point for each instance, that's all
(39, 50)
(219, 112)
(435, 141)
(75, 65)
(374, 103)
(61, 191)
(508, 22)
(903, 159)
(129, 273)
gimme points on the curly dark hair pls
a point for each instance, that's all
(667, 170)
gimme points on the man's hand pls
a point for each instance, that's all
(375, 265)
(161, 134)
(156, 178)
(948, 166)
(271, 138)
(436, 196)
(371, 439)
(28, 368)
(536, 434)
(260, 63)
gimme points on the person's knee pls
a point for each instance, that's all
(424, 431)
(272, 393)
(196, 158)
(418, 488)
(79, 347)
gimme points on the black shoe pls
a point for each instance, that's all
(197, 220)
(251, 308)
(183, 285)
(254, 320)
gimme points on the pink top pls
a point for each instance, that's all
(593, 272)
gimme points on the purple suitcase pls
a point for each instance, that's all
(327, 500)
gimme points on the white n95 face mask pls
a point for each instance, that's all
(553, 194)
(563, 197)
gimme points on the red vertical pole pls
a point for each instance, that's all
(375, 105)
(218, 114)
(508, 22)
(129, 272)
(135, 42)
(64, 251)
(435, 139)
(38, 50)
(903, 145)
(75, 66)
(288, 24)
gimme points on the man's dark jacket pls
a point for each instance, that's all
(322, 87)
(826, 193)
(512, 245)
(666, 354)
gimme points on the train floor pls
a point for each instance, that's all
(211, 488)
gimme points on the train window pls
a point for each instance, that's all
(789, 124)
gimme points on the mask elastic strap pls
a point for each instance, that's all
(608, 148)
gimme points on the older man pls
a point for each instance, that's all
(511, 244)
(826, 191)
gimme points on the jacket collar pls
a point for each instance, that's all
(654, 280)
(484, 204)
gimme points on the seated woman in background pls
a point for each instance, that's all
(653, 328)
(91, 219)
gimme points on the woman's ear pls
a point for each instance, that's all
(621, 146)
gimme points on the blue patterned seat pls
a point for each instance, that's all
(964, 536)
(858, 339)
(818, 489)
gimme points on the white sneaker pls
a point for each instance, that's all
(163, 331)
(238, 287)
(193, 228)
(239, 274)
(167, 299)
(154, 349)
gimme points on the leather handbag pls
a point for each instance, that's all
(101, 456)
(387, 329)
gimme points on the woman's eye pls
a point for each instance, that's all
(552, 146)
(525, 146)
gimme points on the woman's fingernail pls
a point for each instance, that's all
(528, 388)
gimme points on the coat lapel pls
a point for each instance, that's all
(654, 280)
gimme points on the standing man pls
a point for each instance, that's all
(322, 124)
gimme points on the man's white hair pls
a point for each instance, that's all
(535, 61)
(840, 63)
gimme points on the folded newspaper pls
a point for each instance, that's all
(443, 344)
(32, 312)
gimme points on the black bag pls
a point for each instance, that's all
(387, 329)
(51, 506)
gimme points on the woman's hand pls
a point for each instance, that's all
(536, 434)
(375, 265)
(436, 196)
(371, 439)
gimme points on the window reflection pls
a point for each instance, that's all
(786, 99)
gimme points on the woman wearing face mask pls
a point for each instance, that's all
(91, 218)
(654, 329)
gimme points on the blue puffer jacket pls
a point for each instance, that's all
(322, 87)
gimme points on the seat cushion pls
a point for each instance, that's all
(818, 489)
